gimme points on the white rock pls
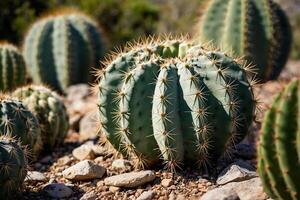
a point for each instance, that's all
(57, 190)
(130, 180)
(166, 182)
(147, 195)
(84, 170)
(83, 152)
(237, 171)
(220, 194)
(121, 164)
(89, 196)
(35, 176)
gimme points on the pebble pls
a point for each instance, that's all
(57, 190)
(166, 182)
(35, 176)
(89, 196)
(121, 164)
(130, 180)
(84, 170)
(237, 171)
(83, 152)
(147, 195)
(114, 189)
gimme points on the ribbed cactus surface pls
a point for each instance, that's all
(17, 121)
(279, 145)
(61, 49)
(13, 167)
(12, 67)
(176, 102)
(256, 29)
(50, 111)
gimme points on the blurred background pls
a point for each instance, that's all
(124, 20)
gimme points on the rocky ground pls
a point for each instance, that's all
(83, 169)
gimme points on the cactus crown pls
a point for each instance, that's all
(13, 166)
(50, 111)
(255, 29)
(169, 99)
(60, 49)
(12, 65)
(279, 145)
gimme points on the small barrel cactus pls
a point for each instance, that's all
(61, 49)
(17, 121)
(279, 145)
(13, 167)
(255, 29)
(12, 67)
(175, 101)
(50, 111)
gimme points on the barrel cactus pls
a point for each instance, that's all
(279, 145)
(61, 49)
(50, 111)
(17, 121)
(176, 101)
(12, 67)
(13, 167)
(255, 29)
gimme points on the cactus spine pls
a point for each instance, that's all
(256, 29)
(12, 67)
(171, 100)
(279, 145)
(13, 167)
(17, 121)
(50, 111)
(61, 49)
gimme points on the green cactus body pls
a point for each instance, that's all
(13, 167)
(175, 101)
(61, 49)
(50, 111)
(12, 67)
(279, 144)
(17, 121)
(255, 29)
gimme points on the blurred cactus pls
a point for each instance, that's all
(279, 145)
(12, 65)
(61, 49)
(17, 121)
(13, 167)
(152, 94)
(256, 29)
(50, 111)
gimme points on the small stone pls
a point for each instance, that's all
(237, 171)
(83, 152)
(65, 160)
(130, 180)
(114, 189)
(180, 197)
(220, 194)
(166, 182)
(88, 128)
(147, 195)
(57, 190)
(84, 170)
(98, 150)
(121, 164)
(35, 176)
(89, 196)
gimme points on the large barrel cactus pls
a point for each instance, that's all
(279, 145)
(13, 167)
(17, 121)
(12, 67)
(256, 29)
(61, 49)
(174, 101)
(50, 111)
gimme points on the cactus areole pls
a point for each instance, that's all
(61, 49)
(255, 29)
(176, 102)
(279, 145)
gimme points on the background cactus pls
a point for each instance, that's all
(61, 49)
(279, 147)
(50, 111)
(155, 92)
(256, 29)
(12, 67)
(13, 167)
(17, 121)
